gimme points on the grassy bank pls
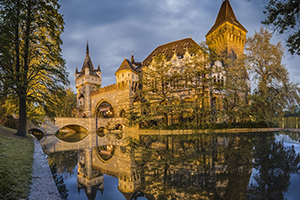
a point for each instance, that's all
(16, 158)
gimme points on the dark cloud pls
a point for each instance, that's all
(116, 28)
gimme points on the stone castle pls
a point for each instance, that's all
(114, 100)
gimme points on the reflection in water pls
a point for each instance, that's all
(275, 164)
(196, 166)
(71, 133)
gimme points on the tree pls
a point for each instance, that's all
(284, 17)
(65, 106)
(32, 67)
(273, 91)
(236, 89)
(157, 93)
(198, 70)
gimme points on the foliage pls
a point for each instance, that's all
(7, 119)
(273, 92)
(65, 106)
(284, 17)
(175, 90)
(32, 68)
(15, 166)
(236, 90)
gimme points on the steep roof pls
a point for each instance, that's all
(178, 46)
(226, 14)
(126, 64)
(88, 64)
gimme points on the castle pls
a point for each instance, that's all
(227, 34)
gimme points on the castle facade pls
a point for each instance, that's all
(226, 35)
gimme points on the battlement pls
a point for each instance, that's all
(104, 89)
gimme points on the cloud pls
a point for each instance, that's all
(116, 28)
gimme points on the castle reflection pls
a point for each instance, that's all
(195, 166)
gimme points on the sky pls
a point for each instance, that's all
(115, 29)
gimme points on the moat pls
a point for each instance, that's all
(185, 166)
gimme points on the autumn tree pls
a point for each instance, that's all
(65, 106)
(32, 67)
(198, 70)
(156, 91)
(272, 92)
(236, 89)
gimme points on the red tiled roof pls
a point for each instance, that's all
(178, 46)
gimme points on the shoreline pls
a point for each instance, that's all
(42, 183)
(189, 131)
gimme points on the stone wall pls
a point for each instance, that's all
(118, 96)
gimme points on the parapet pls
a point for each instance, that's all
(104, 89)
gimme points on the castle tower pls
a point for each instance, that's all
(227, 34)
(127, 74)
(87, 80)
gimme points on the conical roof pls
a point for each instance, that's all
(87, 61)
(87, 64)
(226, 14)
(126, 64)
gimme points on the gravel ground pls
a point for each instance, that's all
(43, 186)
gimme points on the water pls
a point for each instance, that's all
(194, 166)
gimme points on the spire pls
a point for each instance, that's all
(99, 70)
(76, 72)
(226, 14)
(132, 57)
(87, 61)
(87, 48)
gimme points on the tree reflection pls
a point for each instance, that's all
(195, 166)
(275, 164)
(65, 161)
(59, 182)
(215, 166)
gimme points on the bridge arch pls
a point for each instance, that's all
(37, 132)
(72, 133)
(71, 124)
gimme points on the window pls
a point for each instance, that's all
(122, 75)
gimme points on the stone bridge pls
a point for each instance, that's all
(49, 127)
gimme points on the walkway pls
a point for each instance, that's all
(43, 186)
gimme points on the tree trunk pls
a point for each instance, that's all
(22, 116)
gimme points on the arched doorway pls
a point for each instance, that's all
(105, 110)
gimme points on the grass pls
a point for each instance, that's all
(16, 158)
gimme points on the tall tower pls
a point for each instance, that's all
(227, 34)
(87, 80)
